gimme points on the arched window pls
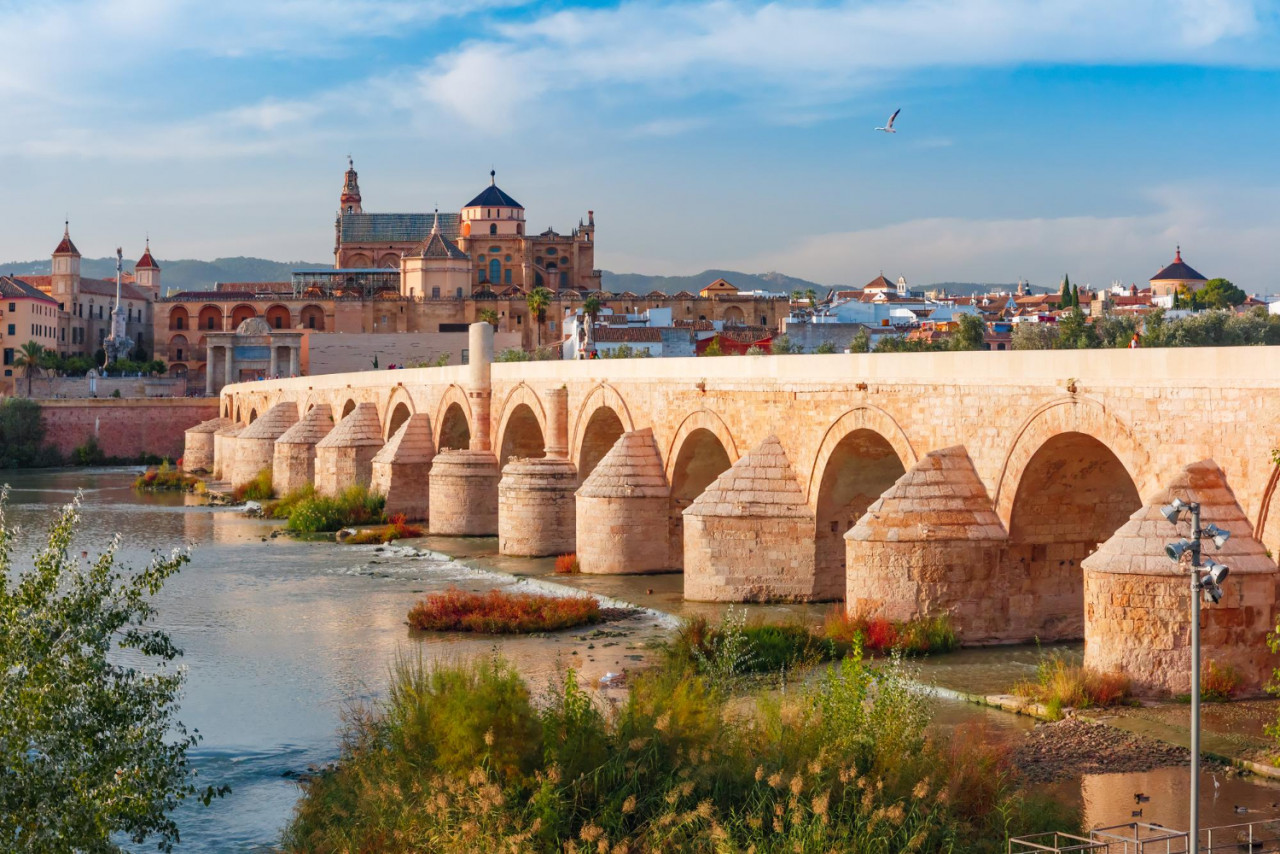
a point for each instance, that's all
(493, 228)
(519, 228)
(495, 271)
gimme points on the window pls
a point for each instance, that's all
(519, 319)
(279, 322)
(482, 275)
(181, 323)
(8, 358)
(519, 228)
(493, 228)
(506, 276)
(497, 249)
(311, 322)
(435, 293)
(459, 293)
(13, 329)
(210, 324)
(564, 280)
(466, 355)
(764, 321)
(508, 259)
(13, 306)
(551, 250)
(551, 326)
(495, 271)
(179, 355)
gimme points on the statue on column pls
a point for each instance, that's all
(118, 346)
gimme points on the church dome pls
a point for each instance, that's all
(492, 197)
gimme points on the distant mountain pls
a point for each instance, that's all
(964, 289)
(193, 275)
(180, 275)
(638, 283)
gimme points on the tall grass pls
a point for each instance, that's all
(500, 612)
(258, 489)
(396, 529)
(1060, 685)
(308, 512)
(461, 758)
(924, 636)
(166, 478)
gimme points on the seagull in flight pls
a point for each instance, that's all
(888, 127)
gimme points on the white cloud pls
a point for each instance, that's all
(1224, 232)
(794, 54)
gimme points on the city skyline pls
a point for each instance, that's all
(1035, 139)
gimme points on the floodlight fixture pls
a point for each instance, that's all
(1173, 510)
(1175, 551)
(1212, 592)
(1220, 535)
(1217, 572)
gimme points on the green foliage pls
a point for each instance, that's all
(826, 347)
(89, 454)
(713, 349)
(755, 350)
(860, 343)
(903, 344)
(625, 351)
(258, 489)
(489, 316)
(1075, 332)
(1060, 684)
(591, 305)
(1217, 293)
(784, 346)
(89, 746)
(22, 435)
(309, 513)
(1033, 336)
(166, 478)
(1064, 298)
(513, 354)
(461, 759)
(27, 360)
(130, 366)
(970, 333)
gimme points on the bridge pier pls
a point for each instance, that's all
(1137, 602)
(931, 545)
(401, 470)
(536, 507)
(344, 458)
(749, 536)
(197, 448)
(224, 449)
(256, 446)
(622, 510)
(464, 484)
(294, 464)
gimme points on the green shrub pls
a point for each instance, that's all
(1060, 684)
(315, 513)
(460, 758)
(89, 454)
(166, 479)
(21, 434)
(258, 489)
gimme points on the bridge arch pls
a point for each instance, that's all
(397, 410)
(348, 407)
(861, 455)
(701, 450)
(1070, 414)
(602, 417)
(1071, 480)
(521, 426)
(453, 420)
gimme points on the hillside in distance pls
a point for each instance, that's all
(180, 275)
(195, 275)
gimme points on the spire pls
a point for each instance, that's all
(493, 177)
(1177, 255)
(146, 262)
(66, 247)
(349, 201)
(435, 223)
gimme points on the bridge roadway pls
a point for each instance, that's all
(1015, 491)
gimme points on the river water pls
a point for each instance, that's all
(281, 636)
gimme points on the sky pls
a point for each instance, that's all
(1037, 137)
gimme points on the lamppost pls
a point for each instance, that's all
(1208, 585)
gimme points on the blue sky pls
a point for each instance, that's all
(1036, 138)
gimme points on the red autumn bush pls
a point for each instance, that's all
(399, 529)
(568, 565)
(1219, 682)
(500, 612)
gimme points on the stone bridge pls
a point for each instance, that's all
(1016, 492)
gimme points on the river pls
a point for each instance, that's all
(281, 636)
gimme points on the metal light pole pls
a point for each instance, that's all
(1206, 584)
(1194, 831)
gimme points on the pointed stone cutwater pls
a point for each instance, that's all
(197, 450)
(344, 458)
(401, 470)
(294, 464)
(1137, 601)
(536, 509)
(930, 545)
(256, 445)
(624, 504)
(749, 536)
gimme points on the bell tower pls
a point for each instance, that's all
(65, 281)
(349, 201)
(146, 273)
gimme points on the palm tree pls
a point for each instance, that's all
(812, 296)
(28, 360)
(591, 306)
(539, 299)
(489, 316)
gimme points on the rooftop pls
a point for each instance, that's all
(1178, 270)
(492, 197)
(11, 288)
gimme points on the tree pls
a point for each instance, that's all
(1074, 332)
(812, 296)
(783, 346)
(1064, 299)
(860, 343)
(970, 333)
(21, 434)
(89, 746)
(489, 316)
(826, 347)
(713, 349)
(1033, 336)
(28, 361)
(591, 306)
(1218, 293)
(539, 299)
(1075, 296)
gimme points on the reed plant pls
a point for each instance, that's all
(878, 635)
(464, 758)
(258, 489)
(1061, 684)
(167, 478)
(397, 529)
(568, 564)
(309, 512)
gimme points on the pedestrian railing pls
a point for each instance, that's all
(1257, 837)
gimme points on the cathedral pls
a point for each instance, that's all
(485, 247)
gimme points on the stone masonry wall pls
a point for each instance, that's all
(125, 428)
